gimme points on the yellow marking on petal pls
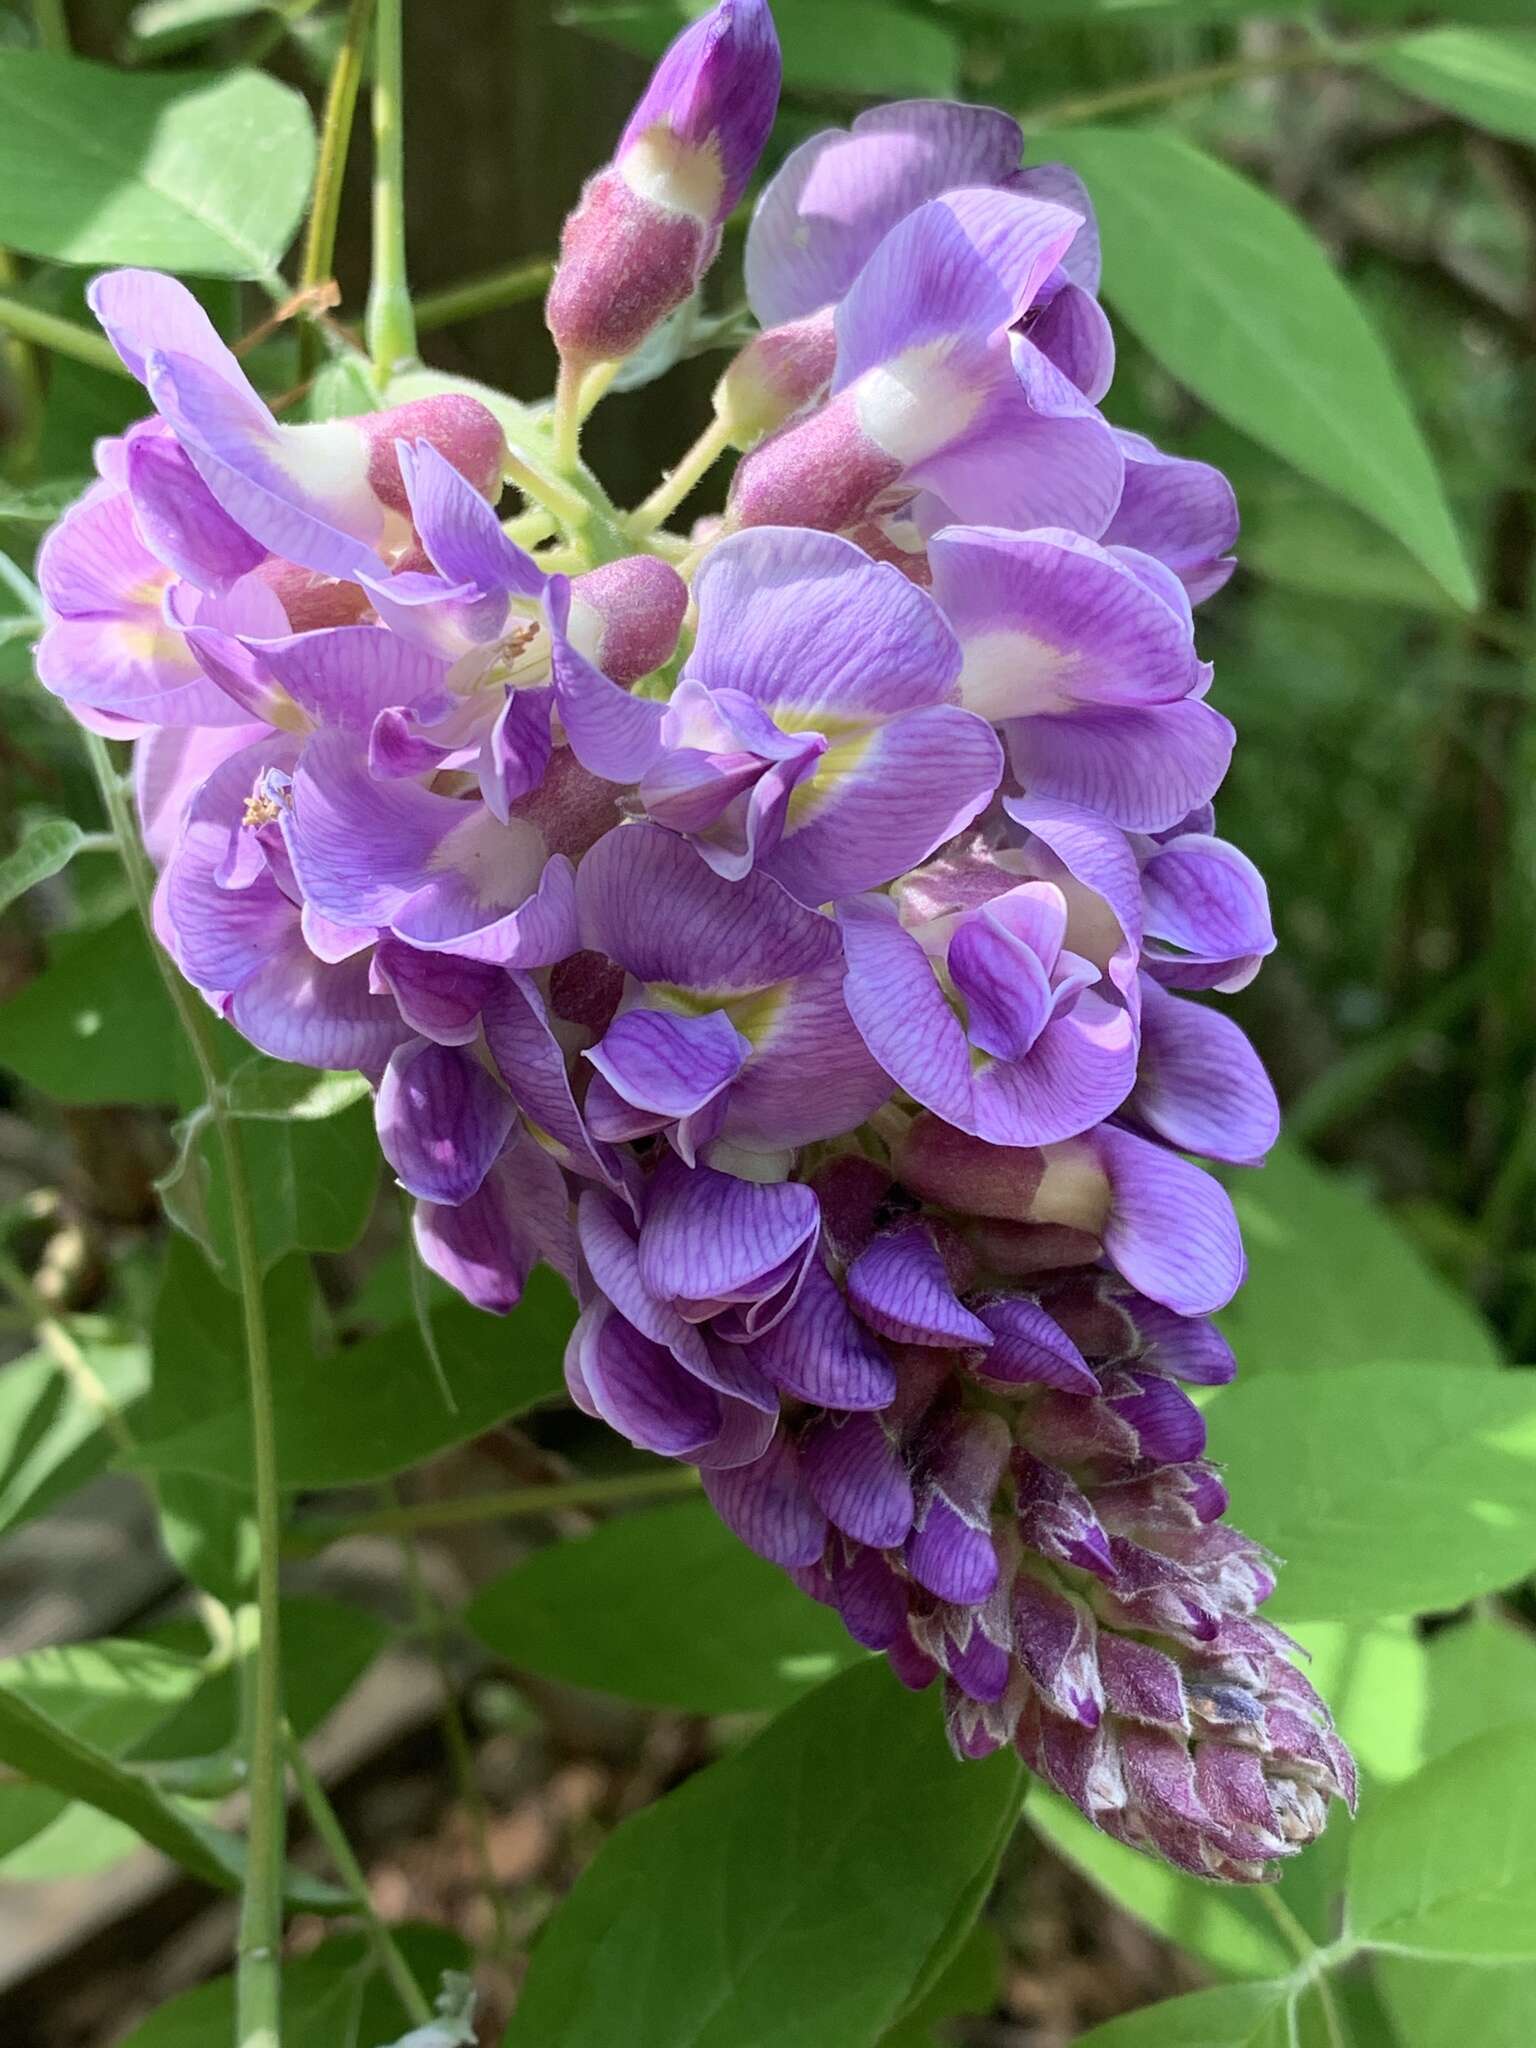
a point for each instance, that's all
(682, 176)
(754, 1014)
(148, 591)
(844, 758)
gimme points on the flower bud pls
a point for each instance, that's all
(648, 225)
(777, 373)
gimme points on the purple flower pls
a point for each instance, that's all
(322, 496)
(733, 1025)
(814, 734)
(648, 225)
(1084, 655)
(826, 211)
(938, 388)
(809, 960)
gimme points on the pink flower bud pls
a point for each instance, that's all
(648, 225)
(775, 375)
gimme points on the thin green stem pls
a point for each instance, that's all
(390, 324)
(1333, 2019)
(1178, 85)
(63, 337)
(320, 1530)
(57, 1340)
(567, 420)
(335, 137)
(680, 482)
(52, 27)
(326, 1824)
(567, 506)
(429, 1622)
(513, 285)
(258, 1981)
(1292, 1932)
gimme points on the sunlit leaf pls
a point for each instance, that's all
(1487, 79)
(205, 173)
(1230, 292)
(805, 1879)
(1333, 1282)
(1387, 1489)
(1446, 1863)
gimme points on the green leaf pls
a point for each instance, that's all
(1304, 540)
(1487, 79)
(47, 849)
(159, 28)
(1231, 294)
(1376, 1680)
(1237, 2016)
(264, 1088)
(1227, 1927)
(327, 1646)
(333, 1998)
(1446, 1864)
(1333, 1282)
(1482, 1675)
(732, 1633)
(867, 49)
(96, 1024)
(315, 1179)
(969, 1983)
(1386, 1489)
(52, 1438)
(1454, 2005)
(112, 1693)
(191, 172)
(38, 504)
(376, 1407)
(45, 1751)
(805, 1879)
(198, 1342)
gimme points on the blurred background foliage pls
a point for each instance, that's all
(1379, 662)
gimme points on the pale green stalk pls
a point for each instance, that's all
(390, 323)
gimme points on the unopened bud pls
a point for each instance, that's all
(775, 375)
(648, 225)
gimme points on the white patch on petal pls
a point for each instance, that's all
(917, 403)
(661, 167)
(500, 863)
(329, 463)
(1009, 674)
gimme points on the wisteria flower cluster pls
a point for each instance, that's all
(795, 932)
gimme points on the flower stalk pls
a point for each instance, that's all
(390, 324)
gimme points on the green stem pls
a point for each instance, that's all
(1293, 1933)
(680, 482)
(335, 136)
(56, 1338)
(64, 337)
(513, 285)
(390, 323)
(1177, 85)
(258, 1980)
(52, 27)
(315, 1533)
(326, 1824)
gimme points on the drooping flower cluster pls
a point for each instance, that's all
(795, 934)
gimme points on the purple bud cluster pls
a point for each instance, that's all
(796, 935)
